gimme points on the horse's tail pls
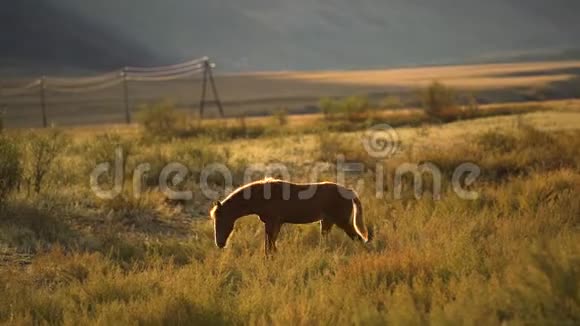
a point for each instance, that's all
(358, 220)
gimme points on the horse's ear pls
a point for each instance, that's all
(216, 203)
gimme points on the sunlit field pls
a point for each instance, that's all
(255, 94)
(466, 76)
(509, 256)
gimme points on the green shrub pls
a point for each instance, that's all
(471, 108)
(494, 141)
(502, 154)
(332, 144)
(356, 107)
(241, 129)
(280, 117)
(1, 121)
(327, 106)
(439, 101)
(10, 169)
(198, 155)
(391, 102)
(161, 119)
(40, 154)
(30, 229)
(103, 149)
(351, 108)
(329, 146)
(195, 155)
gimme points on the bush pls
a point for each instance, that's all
(352, 108)
(502, 154)
(331, 145)
(161, 119)
(356, 107)
(10, 169)
(197, 156)
(280, 117)
(391, 102)
(103, 149)
(494, 141)
(471, 108)
(41, 152)
(241, 129)
(439, 101)
(30, 229)
(1, 121)
(327, 106)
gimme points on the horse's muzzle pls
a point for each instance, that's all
(221, 245)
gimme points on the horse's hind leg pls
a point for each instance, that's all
(325, 227)
(272, 231)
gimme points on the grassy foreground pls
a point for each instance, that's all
(510, 256)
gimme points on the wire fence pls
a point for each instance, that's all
(80, 96)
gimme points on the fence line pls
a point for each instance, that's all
(171, 67)
(90, 88)
(75, 85)
(79, 81)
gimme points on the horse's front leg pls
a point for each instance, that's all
(272, 229)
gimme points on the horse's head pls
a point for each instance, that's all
(223, 224)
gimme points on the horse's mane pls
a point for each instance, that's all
(238, 190)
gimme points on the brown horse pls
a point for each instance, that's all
(277, 202)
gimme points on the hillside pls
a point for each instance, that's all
(297, 35)
(39, 37)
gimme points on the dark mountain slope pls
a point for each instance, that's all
(298, 34)
(39, 37)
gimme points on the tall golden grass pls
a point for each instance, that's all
(510, 256)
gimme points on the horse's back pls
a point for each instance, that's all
(304, 203)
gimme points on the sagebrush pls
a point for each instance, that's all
(508, 257)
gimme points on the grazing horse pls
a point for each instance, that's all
(277, 202)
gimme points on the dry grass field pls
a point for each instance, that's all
(499, 76)
(300, 92)
(510, 256)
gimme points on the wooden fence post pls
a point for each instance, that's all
(126, 96)
(43, 101)
(203, 91)
(2, 108)
(214, 89)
